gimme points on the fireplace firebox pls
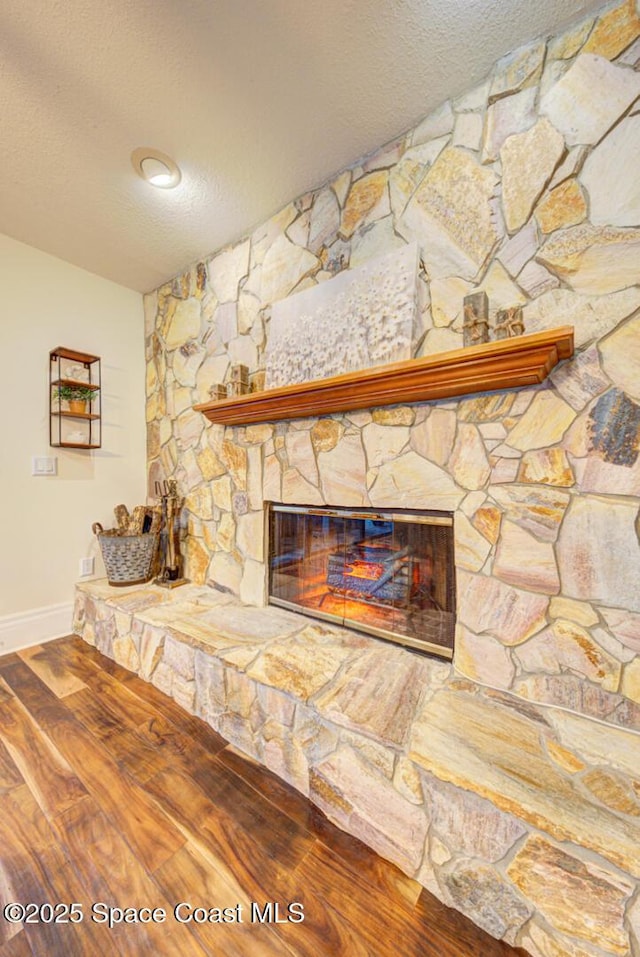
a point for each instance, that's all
(389, 573)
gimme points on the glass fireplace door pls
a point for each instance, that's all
(390, 574)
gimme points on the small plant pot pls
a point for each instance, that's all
(77, 406)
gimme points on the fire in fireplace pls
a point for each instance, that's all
(390, 574)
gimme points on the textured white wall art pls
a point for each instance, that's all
(360, 318)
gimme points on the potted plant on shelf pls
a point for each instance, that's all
(77, 396)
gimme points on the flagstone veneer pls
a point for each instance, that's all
(525, 188)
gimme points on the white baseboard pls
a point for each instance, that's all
(28, 628)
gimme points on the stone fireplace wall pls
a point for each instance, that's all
(515, 767)
(525, 187)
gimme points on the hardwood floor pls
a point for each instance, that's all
(111, 795)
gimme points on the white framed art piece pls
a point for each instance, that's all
(360, 318)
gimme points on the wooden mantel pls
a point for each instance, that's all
(507, 364)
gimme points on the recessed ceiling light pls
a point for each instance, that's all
(155, 167)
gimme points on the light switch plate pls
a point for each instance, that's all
(86, 567)
(44, 465)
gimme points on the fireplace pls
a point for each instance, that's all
(389, 573)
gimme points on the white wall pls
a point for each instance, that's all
(45, 526)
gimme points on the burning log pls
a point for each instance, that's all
(397, 563)
(371, 571)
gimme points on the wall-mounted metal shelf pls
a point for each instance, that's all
(74, 377)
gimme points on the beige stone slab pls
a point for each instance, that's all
(549, 876)
(436, 125)
(621, 357)
(240, 656)
(99, 588)
(247, 623)
(325, 219)
(225, 571)
(482, 658)
(589, 98)
(253, 588)
(595, 260)
(468, 131)
(184, 324)
(342, 472)
(516, 70)
(468, 463)
(528, 162)
(378, 693)
(614, 790)
(580, 379)
(471, 547)
(126, 654)
(519, 250)
(283, 755)
(591, 316)
(486, 408)
(508, 115)
(488, 605)
(300, 454)
(180, 657)
(607, 478)
(305, 663)
(433, 439)
(365, 196)
(598, 551)
(447, 297)
(151, 647)
(614, 30)
(453, 206)
(296, 489)
(580, 612)
(235, 460)
(610, 179)
(535, 508)
(484, 895)
(543, 424)
(470, 825)
(568, 646)
(383, 443)
(413, 482)
(139, 601)
(487, 521)
(356, 795)
(525, 561)
(546, 466)
(499, 755)
(599, 744)
(564, 206)
(272, 483)
(573, 693)
(536, 280)
(200, 503)
(186, 600)
(226, 269)
(285, 264)
(624, 625)
(250, 536)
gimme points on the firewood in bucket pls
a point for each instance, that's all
(121, 513)
(137, 520)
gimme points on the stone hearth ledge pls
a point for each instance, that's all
(501, 808)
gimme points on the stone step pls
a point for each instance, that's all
(501, 808)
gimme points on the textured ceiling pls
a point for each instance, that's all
(257, 101)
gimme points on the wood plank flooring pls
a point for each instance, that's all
(111, 795)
